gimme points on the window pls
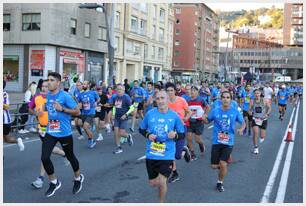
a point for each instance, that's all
(178, 21)
(143, 27)
(177, 32)
(136, 48)
(154, 32)
(134, 24)
(176, 63)
(153, 51)
(116, 43)
(178, 10)
(162, 15)
(143, 7)
(177, 53)
(30, 22)
(161, 34)
(177, 42)
(160, 53)
(117, 21)
(145, 50)
(87, 30)
(154, 11)
(102, 33)
(73, 26)
(6, 22)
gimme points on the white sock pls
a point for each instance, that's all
(78, 178)
(220, 181)
(54, 181)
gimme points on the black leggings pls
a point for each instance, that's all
(47, 146)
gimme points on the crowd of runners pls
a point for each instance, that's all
(170, 115)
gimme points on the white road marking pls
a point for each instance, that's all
(285, 174)
(141, 158)
(272, 178)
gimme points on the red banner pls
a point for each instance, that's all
(37, 60)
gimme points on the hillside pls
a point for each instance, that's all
(235, 19)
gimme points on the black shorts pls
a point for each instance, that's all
(264, 124)
(100, 115)
(154, 167)
(87, 118)
(107, 109)
(220, 152)
(246, 114)
(6, 129)
(196, 127)
(140, 106)
(282, 105)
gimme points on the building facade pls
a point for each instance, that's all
(40, 38)
(143, 41)
(270, 61)
(195, 42)
(293, 24)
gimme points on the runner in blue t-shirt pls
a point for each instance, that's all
(87, 102)
(215, 92)
(282, 97)
(161, 126)
(122, 107)
(187, 95)
(60, 106)
(149, 97)
(138, 95)
(246, 98)
(223, 135)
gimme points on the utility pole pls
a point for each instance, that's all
(109, 11)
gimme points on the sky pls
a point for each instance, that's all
(239, 6)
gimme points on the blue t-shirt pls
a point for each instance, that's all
(218, 104)
(224, 125)
(138, 91)
(122, 104)
(59, 122)
(186, 97)
(215, 93)
(148, 96)
(282, 96)
(160, 124)
(76, 93)
(247, 96)
(88, 100)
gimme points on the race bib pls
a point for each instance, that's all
(158, 148)
(54, 126)
(223, 138)
(258, 121)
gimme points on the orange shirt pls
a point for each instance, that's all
(179, 106)
(40, 102)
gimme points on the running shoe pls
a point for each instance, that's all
(187, 155)
(20, 144)
(118, 150)
(193, 156)
(220, 187)
(38, 183)
(173, 177)
(261, 140)
(52, 188)
(23, 131)
(256, 150)
(81, 137)
(100, 137)
(130, 140)
(77, 187)
(91, 143)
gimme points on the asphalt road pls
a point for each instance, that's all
(122, 178)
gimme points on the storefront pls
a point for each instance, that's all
(95, 66)
(72, 63)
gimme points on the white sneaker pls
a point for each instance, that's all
(261, 140)
(256, 151)
(38, 183)
(22, 131)
(100, 138)
(20, 144)
(26, 131)
(81, 137)
(32, 129)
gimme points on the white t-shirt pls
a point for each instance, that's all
(268, 91)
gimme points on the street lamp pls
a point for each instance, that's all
(107, 9)
(228, 36)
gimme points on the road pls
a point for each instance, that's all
(122, 178)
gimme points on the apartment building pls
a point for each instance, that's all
(143, 41)
(40, 38)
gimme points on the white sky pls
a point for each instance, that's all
(232, 6)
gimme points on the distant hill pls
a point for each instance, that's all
(235, 19)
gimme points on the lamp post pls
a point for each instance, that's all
(228, 36)
(108, 10)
